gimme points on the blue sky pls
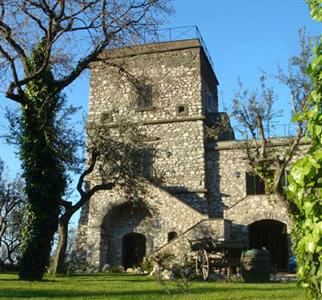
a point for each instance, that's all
(242, 36)
(245, 36)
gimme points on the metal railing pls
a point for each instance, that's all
(160, 35)
(275, 130)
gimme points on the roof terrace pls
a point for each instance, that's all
(161, 35)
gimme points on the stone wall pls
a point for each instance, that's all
(174, 76)
(198, 187)
(180, 247)
(176, 80)
(111, 216)
(183, 90)
(230, 163)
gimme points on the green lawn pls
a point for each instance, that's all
(122, 286)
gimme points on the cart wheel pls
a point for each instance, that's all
(202, 264)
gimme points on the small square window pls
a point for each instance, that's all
(172, 235)
(182, 110)
(106, 117)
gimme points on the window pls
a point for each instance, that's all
(106, 117)
(182, 110)
(209, 103)
(147, 163)
(254, 184)
(284, 182)
(172, 235)
(144, 96)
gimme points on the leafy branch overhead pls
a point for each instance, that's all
(305, 189)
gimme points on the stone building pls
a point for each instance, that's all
(203, 191)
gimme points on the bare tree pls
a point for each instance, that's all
(44, 46)
(254, 111)
(72, 33)
(12, 202)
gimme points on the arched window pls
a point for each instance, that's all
(172, 235)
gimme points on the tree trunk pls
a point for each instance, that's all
(43, 170)
(45, 185)
(60, 255)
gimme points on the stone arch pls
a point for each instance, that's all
(272, 235)
(251, 209)
(120, 220)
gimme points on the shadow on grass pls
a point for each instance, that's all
(151, 293)
(9, 279)
(64, 294)
(144, 287)
(18, 280)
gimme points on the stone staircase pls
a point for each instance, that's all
(216, 229)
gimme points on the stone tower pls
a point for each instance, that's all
(171, 90)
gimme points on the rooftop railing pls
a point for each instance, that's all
(275, 130)
(160, 35)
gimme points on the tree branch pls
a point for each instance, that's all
(37, 20)
(5, 31)
(10, 94)
(262, 137)
(87, 172)
(87, 196)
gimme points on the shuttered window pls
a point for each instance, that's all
(254, 184)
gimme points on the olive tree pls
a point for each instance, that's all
(254, 110)
(302, 198)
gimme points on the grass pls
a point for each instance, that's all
(123, 286)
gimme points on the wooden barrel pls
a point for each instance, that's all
(255, 265)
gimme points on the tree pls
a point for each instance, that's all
(12, 202)
(114, 158)
(303, 196)
(254, 112)
(44, 46)
(305, 189)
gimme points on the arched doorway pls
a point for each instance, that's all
(119, 221)
(272, 235)
(133, 249)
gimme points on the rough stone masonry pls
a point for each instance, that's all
(170, 90)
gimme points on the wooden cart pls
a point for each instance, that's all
(214, 255)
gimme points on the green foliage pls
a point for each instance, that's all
(44, 173)
(147, 264)
(254, 108)
(305, 188)
(316, 9)
(116, 269)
